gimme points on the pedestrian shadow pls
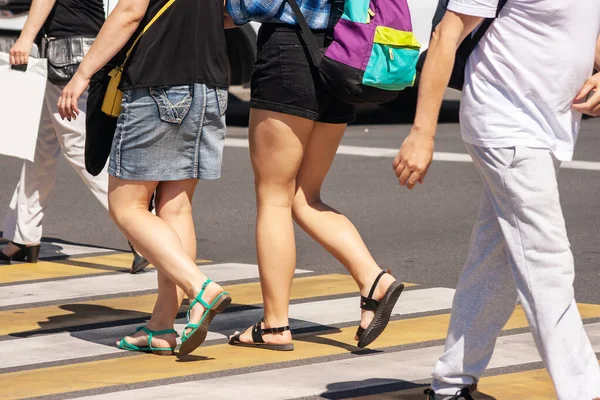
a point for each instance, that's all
(382, 389)
(84, 319)
(52, 249)
(325, 341)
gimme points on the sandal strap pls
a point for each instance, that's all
(368, 303)
(279, 329)
(382, 273)
(199, 299)
(258, 331)
(152, 333)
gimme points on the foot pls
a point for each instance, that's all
(139, 263)
(11, 249)
(269, 338)
(382, 286)
(212, 291)
(140, 338)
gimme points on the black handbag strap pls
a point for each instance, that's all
(470, 45)
(316, 55)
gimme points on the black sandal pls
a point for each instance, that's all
(257, 333)
(382, 309)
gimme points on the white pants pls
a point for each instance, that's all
(519, 251)
(23, 221)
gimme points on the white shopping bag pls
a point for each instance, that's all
(21, 102)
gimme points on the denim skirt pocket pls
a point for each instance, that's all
(173, 102)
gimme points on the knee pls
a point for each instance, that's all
(116, 212)
(121, 213)
(279, 195)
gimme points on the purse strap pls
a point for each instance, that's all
(485, 25)
(316, 55)
(148, 25)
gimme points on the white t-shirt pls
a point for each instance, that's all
(523, 76)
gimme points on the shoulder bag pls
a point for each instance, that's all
(104, 107)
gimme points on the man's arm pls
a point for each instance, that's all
(38, 13)
(416, 153)
(115, 33)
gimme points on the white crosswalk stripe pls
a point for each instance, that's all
(114, 284)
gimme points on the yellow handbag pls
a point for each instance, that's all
(112, 99)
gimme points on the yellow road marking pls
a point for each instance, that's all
(121, 308)
(530, 385)
(42, 270)
(25, 272)
(143, 368)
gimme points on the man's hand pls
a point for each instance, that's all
(19, 53)
(591, 106)
(67, 102)
(414, 158)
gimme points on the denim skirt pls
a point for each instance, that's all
(169, 133)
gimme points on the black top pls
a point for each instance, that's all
(185, 45)
(75, 18)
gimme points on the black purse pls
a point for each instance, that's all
(64, 56)
(100, 128)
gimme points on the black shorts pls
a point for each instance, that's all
(285, 81)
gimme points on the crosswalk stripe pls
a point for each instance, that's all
(11, 274)
(328, 378)
(28, 320)
(114, 284)
(530, 385)
(67, 268)
(48, 348)
(144, 368)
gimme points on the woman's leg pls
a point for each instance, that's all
(174, 206)
(326, 225)
(277, 144)
(155, 238)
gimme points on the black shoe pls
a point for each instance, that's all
(464, 393)
(139, 262)
(29, 253)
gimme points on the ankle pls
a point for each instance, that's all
(160, 325)
(366, 280)
(275, 322)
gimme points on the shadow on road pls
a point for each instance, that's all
(382, 389)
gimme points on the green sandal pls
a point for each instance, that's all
(125, 345)
(190, 341)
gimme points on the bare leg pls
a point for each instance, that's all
(174, 206)
(276, 148)
(326, 225)
(157, 240)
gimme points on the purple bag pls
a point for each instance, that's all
(373, 54)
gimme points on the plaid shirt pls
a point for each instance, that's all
(316, 12)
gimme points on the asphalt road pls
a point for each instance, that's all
(421, 235)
